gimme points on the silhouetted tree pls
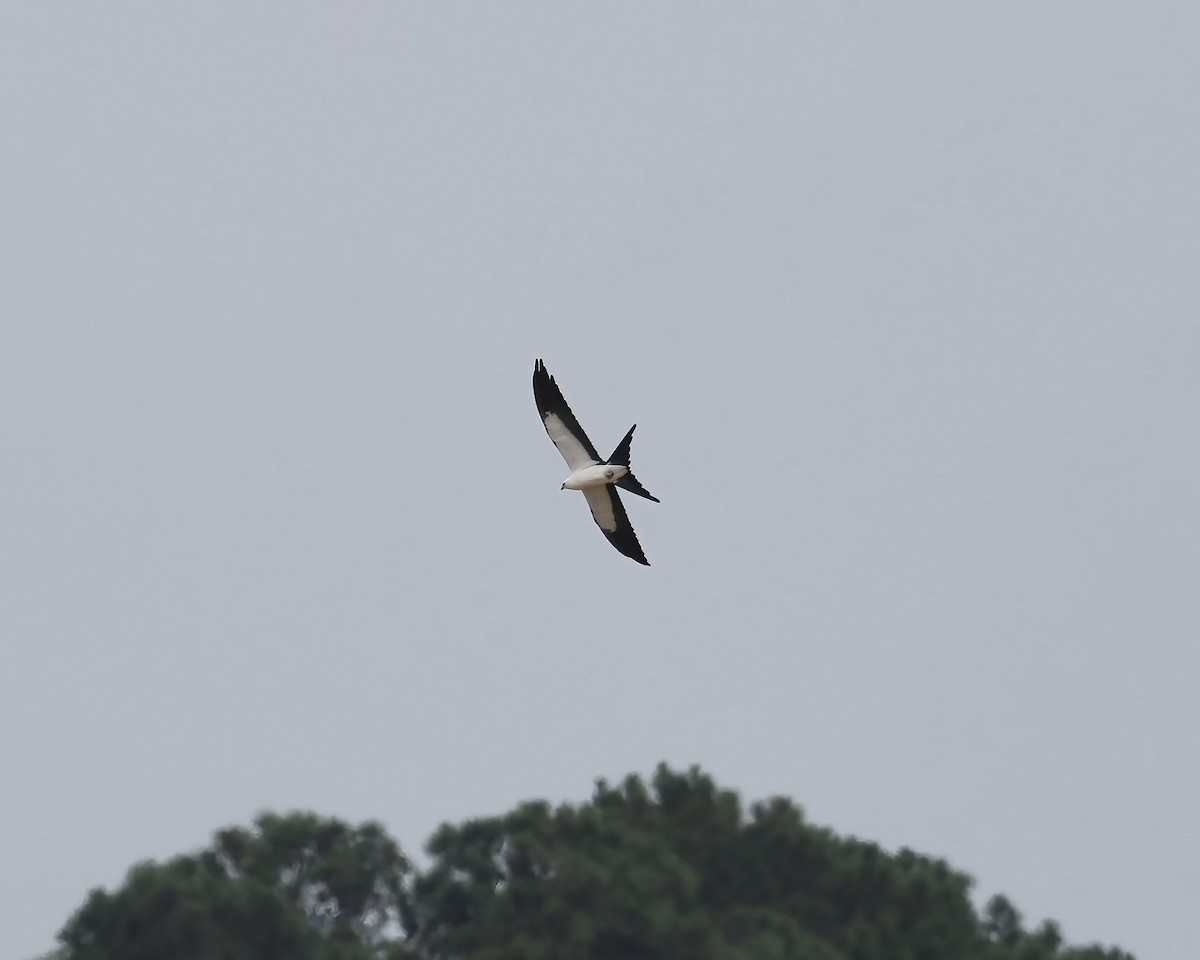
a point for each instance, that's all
(658, 870)
(297, 886)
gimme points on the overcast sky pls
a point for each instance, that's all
(903, 298)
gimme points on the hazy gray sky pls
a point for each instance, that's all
(904, 299)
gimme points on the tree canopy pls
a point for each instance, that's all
(670, 868)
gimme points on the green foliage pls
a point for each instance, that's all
(344, 880)
(658, 870)
(675, 868)
(298, 887)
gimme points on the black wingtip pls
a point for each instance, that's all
(545, 390)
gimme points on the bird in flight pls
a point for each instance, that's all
(598, 479)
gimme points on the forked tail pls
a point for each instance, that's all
(629, 482)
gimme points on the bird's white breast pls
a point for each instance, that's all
(595, 475)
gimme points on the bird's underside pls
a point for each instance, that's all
(598, 479)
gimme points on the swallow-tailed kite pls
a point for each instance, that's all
(598, 479)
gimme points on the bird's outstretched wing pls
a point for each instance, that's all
(560, 422)
(610, 516)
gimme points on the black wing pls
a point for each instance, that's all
(560, 422)
(610, 516)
